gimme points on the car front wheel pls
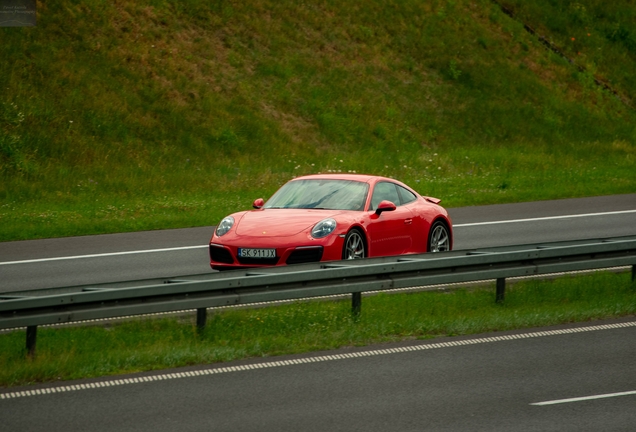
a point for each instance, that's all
(438, 238)
(353, 246)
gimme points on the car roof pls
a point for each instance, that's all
(353, 177)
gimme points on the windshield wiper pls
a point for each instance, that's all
(315, 203)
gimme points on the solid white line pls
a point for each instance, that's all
(205, 246)
(103, 255)
(585, 398)
(544, 218)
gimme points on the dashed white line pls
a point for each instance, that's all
(332, 357)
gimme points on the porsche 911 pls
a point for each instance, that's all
(329, 217)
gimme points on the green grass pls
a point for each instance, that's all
(150, 344)
(597, 35)
(154, 114)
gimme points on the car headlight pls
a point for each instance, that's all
(225, 226)
(323, 228)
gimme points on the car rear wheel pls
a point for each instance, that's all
(353, 246)
(438, 238)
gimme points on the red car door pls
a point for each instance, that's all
(389, 232)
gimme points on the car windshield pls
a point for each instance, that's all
(320, 194)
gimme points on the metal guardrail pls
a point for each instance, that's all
(310, 280)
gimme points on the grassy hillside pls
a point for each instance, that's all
(596, 35)
(125, 115)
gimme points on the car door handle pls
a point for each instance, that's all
(408, 221)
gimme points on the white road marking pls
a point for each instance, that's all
(585, 398)
(544, 218)
(315, 359)
(102, 255)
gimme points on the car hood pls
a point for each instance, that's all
(281, 222)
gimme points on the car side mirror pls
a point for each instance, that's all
(258, 203)
(385, 206)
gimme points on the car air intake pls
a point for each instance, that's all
(220, 254)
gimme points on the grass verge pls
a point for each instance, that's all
(155, 114)
(151, 344)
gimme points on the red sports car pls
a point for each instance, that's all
(328, 217)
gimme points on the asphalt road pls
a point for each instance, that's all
(38, 264)
(552, 379)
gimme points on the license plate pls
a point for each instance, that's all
(257, 253)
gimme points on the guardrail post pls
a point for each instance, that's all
(501, 290)
(31, 338)
(356, 304)
(202, 316)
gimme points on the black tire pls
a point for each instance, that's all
(438, 237)
(354, 246)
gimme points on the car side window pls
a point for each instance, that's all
(384, 191)
(406, 195)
